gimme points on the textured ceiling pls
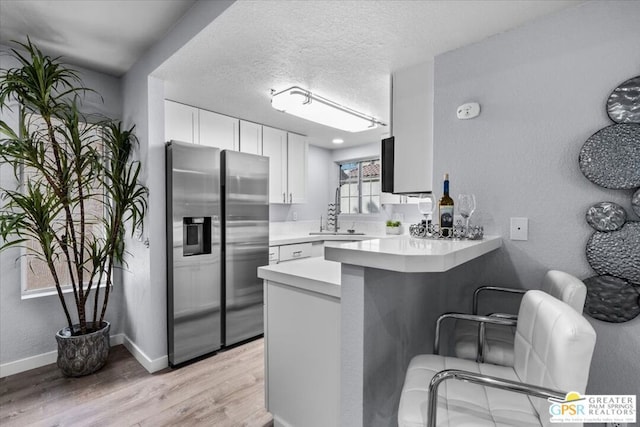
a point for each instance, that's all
(103, 35)
(344, 51)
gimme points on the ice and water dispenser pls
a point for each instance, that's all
(196, 235)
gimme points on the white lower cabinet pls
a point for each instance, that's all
(274, 254)
(290, 252)
(317, 249)
(302, 356)
(297, 251)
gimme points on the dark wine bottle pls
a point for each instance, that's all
(445, 210)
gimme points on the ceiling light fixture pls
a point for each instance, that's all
(309, 106)
(337, 140)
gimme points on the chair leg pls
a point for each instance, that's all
(481, 332)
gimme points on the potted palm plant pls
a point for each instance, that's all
(77, 191)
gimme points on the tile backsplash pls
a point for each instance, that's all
(283, 228)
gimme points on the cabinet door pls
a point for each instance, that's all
(390, 199)
(297, 153)
(274, 146)
(413, 129)
(294, 391)
(218, 130)
(250, 138)
(180, 122)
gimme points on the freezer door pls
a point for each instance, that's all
(194, 251)
(246, 243)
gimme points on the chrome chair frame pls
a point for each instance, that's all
(494, 319)
(487, 381)
(476, 294)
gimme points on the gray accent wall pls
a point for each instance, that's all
(542, 89)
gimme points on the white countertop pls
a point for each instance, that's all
(411, 255)
(313, 274)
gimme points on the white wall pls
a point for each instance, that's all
(543, 89)
(28, 327)
(143, 104)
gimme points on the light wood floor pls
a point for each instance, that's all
(224, 390)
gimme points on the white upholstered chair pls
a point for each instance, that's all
(553, 349)
(497, 340)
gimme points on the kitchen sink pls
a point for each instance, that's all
(334, 233)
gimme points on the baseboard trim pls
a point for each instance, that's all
(28, 363)
(37, 361)
(151, 365)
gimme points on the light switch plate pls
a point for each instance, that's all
(519, 229)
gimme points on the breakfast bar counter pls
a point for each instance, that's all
(341, 330)
(411, 255)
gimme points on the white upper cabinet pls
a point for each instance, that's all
(297, 154)
(218, 130)
(412, 129)
(390, 199)
(250, 137)
(190, 124)
(180, 122)
(274, 146)
(287, 152)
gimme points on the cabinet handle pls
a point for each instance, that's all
(284, 198)
(290, 197)
(296, 254)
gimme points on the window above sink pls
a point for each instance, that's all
(359, 183)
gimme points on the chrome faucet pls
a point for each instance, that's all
(336, 201)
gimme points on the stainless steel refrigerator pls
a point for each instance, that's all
(217, 237)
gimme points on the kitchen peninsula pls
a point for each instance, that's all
(365, 310)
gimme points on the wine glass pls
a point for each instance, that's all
(466, 207)
(425, 205)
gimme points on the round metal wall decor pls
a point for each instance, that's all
(611, 299)
(623, 105)
(616, 253)
(635, 202)
(611, 157)
(606, 216)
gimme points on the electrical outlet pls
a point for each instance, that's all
(519, 229)
(295, 215)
